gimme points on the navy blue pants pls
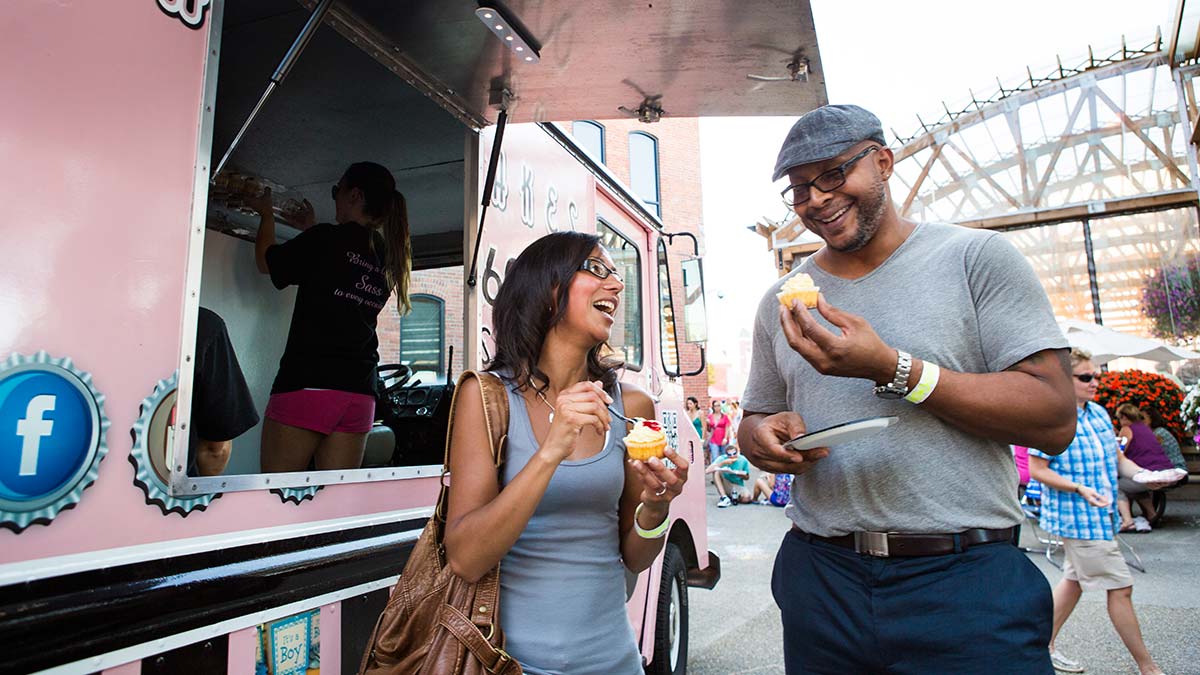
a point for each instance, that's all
(986, 610)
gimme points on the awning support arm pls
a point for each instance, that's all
(285, 67)
(488, 184)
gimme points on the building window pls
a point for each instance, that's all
(590, 135)
(643, 169)
(626, 339)
(423, 337)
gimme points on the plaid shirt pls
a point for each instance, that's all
(1090, 460)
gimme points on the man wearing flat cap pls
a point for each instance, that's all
(900, 558)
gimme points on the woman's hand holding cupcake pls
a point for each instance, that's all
(647, 447)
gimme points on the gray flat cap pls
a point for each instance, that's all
(826, 132)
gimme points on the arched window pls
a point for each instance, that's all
(423, 336)
(643, 169)
(590, 135)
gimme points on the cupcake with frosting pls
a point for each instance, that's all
(799, 287)
(645, 440)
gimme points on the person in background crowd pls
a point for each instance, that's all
(322, 403)
(1021, 459)
(731, 473)
(1142, 448)
(1078, 489)
(698, 421)
(735, 418)
(1170, 444)
(900, 557)
(764, 485)
(222, 408)
(718, 430)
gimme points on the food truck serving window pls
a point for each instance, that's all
(627, 334)
(300, 294)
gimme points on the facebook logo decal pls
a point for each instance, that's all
(45, 434)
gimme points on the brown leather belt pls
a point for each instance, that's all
(891, 545)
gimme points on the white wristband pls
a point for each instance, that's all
(929, 380)
(655, 533)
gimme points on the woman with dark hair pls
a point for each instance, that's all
(568, 513)
(323, 400)
(1170, 444)
(1143, 448)
(692, 404)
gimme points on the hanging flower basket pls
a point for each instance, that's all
(1171, 300)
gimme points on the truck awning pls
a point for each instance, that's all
(600, 59)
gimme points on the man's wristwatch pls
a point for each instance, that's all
(898, 387)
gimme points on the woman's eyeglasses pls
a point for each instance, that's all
(597, 268)
(1085, 377)
(795, 195)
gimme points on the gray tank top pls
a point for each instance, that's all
(562, 585)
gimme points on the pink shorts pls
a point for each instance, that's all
(323, 410)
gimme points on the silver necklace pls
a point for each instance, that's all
(552, 408)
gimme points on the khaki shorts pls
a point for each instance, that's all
(1096, 564)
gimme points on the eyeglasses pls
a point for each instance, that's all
(597, 268)
(795, 195)
(1085, 377)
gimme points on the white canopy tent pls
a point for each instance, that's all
(1106, 344)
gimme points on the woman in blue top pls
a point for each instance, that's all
(323, 400)
(560, 519)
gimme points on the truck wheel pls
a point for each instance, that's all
(671, 626)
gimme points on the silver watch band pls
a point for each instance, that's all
(898, 387)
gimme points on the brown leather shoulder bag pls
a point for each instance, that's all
(435, 623)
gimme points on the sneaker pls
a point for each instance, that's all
(1063, 664)
(763, 502)
(724, 502)
(1140, 524)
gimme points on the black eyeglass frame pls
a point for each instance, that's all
(819, 182)
(608, 271)
(1084, 377)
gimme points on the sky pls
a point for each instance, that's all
(898, 59)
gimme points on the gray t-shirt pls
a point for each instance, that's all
(964, 299)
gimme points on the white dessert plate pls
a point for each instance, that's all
(1163, 476)
(840, 433)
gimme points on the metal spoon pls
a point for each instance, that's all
(627, 419)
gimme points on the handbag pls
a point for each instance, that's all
(436, 623)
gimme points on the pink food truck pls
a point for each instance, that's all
(134, 136)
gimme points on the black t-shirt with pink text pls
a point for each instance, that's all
(332, 342)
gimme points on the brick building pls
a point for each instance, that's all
(665, 174)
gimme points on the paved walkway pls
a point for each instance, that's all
(735, 627)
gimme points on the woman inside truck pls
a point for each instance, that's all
(323, 400)
(565, 503)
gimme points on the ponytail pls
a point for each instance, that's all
(387, 210)
(398, 244)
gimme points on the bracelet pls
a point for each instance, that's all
(656, 533)
(929, 379)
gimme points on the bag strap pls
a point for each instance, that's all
(495, 418)
(493, 659)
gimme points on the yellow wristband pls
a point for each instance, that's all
(929, 379)
(657, 532)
